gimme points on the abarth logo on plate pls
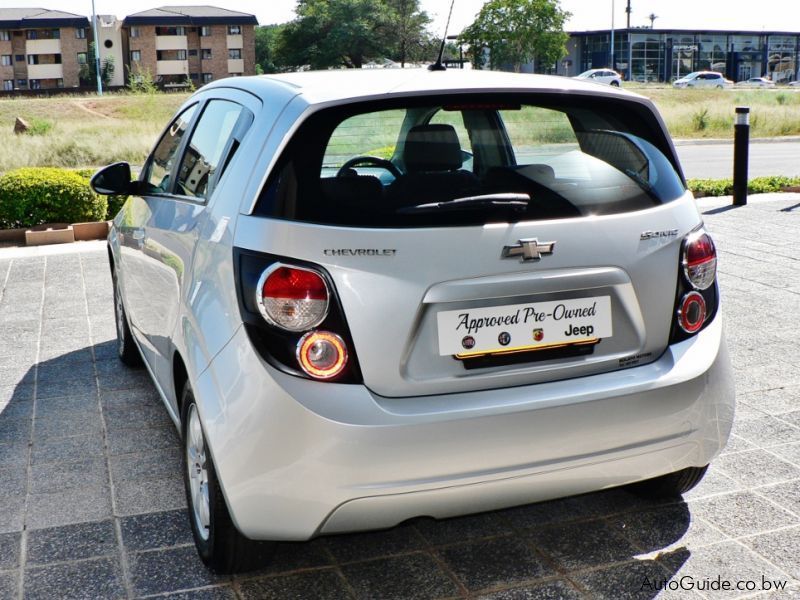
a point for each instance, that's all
(538, 335)
(528, 249)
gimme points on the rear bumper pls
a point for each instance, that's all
(298, 458)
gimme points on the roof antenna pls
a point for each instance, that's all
(438, 66)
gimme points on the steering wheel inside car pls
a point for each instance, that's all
(368, 160)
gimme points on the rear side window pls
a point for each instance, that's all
(163, 157)
(464, 160)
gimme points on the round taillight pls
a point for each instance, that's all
(700, 260)
(322, 354)
(692, 312)
(292, 298)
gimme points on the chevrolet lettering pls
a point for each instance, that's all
(342, 348)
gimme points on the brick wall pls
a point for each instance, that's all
(217, 65)
(6, 72)
(249, 51)
(146, 44)
(70, 47)
(193, 43)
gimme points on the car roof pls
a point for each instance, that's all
(348, 85)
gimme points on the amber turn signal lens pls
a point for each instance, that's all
(322, 354)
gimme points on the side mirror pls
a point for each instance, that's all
(113, 180)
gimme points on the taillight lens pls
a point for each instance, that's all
(322, 354)
(692, 312)
(292, 298)
(699, 260)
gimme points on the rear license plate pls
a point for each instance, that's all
(527, 326)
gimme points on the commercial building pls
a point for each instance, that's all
(45, 49)
(41, 49)
(667, 54)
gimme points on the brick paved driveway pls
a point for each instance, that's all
(91, 500)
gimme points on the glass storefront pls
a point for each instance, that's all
(646, 57)
(782, 58)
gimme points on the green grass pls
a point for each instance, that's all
(88, 131)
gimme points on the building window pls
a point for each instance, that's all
(234, 30)
(5, 60)
(134, 32)
(205, 31)
(33, 59)
(81, 58)
(5, 36)
(43, 34)
(19, 57)
(205, 53)
(235, 54)
(8, 85)
(180, 30)
(207, 78)
(181, 54)
(36, 84)
(80, 33)
(193, 75)
(192, 52)
(136, 55)
(59, 82)
(22, 83)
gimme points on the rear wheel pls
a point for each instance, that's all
(615, 83)
(220, 545)
(670, 485)
(126, 347)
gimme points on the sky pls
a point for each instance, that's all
(775, 15)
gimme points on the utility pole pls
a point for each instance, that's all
(96, 52)
(613, 65)
(628, 10)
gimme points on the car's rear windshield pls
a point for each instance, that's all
(467, 160)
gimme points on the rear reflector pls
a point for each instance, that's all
(322, 354)
(700, 260)
(692, 312)
(292, 298)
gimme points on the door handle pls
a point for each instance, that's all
(138, 234)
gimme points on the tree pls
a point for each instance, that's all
(517, 31)
(266, 49)
(88, 71)
(408, 30)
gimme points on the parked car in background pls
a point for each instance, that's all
(703, 79)
(606, 76)
(794, 83)
(370, 296)
(756, 82)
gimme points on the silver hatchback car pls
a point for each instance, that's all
(371, 296)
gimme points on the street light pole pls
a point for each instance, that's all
(613, 65)
(96, 52)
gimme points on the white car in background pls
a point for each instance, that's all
(703, 79)
(756, 82)
(606, 76)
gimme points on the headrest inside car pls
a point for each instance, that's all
(432, 148)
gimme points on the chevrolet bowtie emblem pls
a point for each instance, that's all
(529, 249)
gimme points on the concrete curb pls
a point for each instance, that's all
(720, 141)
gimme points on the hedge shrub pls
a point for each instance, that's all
(757, 185)
(36, 195)
(114, 202)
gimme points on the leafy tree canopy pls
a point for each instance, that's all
(516, 31)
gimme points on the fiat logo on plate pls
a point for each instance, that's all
(468, 342)
(504, 339)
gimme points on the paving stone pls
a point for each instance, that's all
(122, 399)
(462, 529)
(144, 466)
(67, 425)
(786, 495)
(642, 579)
(47, 450)
(172, 570)
(780, 548)
(84, 386)
(15, 394)
(55, 477)
(71, 355)
(657, 529)
(87, 580)
(59, 408)
(582, 545)
(13, 455)
(125, 441)
(13, 482)
(767, 431)
(757, 467)
(136, 497)
(213, 593)
(789, 452)
(17, 409)
(72, 542)
(374, 544)
(775, 402)
(412, 576)
(9, 550)
(77, 505)
(56, 370)
(14, 430)
(741, 513)
(9, 584)
(552, 590)
(494, 562)
(291, 556)
(137, 417)
(12, 515)
(313, 584)
(156, 530)
(714, 482)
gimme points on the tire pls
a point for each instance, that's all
(127, 351)
(670, 485)
(615, 84)
(220, 545)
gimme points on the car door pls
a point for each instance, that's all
(180, 214)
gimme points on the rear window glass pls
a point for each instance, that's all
(466, 160)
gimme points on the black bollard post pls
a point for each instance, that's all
(741, 151)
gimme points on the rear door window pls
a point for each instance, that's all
(159, 165)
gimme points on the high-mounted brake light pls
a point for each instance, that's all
(692, 312)
(293, 298)
(322, 354)
(699, 259)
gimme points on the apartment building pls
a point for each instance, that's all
(41, 49)
(199, 43)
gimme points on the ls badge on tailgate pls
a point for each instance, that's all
(528, 249)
